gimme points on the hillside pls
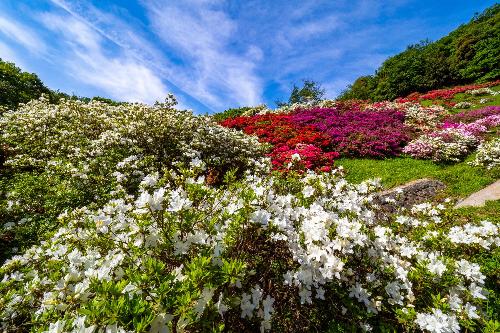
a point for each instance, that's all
(471, 53)
(126, 217)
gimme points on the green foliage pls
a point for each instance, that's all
(310, 92)
(230, 113)
(17, 86)
(471, 53)
(360, 89)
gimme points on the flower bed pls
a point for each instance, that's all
(454, 141)
(181, 255)
(377, 134)
(470, 116)
(446, 94)
(359, 133)
(159, 249)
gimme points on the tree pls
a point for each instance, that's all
(360, 89)
(17, 86)
(311, 92)
(471, 53)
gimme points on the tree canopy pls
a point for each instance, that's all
(471, 53)
(17, 86)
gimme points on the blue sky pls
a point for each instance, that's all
(215, 54)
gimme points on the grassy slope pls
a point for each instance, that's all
(461, 178)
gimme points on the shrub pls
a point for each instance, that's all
(448, 145)
(471, 116)
(288, 138)
(98, 135)
(488, 154)
(301, 158)
(184, 256)
(359, 133)
(75, 154)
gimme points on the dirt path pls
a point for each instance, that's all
(477, 199)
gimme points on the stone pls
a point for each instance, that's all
(409, 194)
(479, 198)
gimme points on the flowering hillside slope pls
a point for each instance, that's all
(377, 130)
(131, 218)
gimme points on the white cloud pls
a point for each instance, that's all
(314, 28)
(21, 35)
(121, 76)
(202, 34)
(209, 71)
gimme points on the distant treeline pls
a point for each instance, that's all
(17, 87)
(471, 53)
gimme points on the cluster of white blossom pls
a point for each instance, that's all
(485, 234)
(328, 226)
(488, 154)
(438, 322)
(82, 137)
(463, 105)
(482, 91)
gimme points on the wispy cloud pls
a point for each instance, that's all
(202, 33)
(21, 34)
(120, 76)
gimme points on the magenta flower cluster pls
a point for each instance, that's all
(470, 116)
(356, 133)
(454, 140)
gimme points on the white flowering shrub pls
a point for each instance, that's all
(69, 155)
(422, 118)
(181, 255)
(130, 233)
(488, 154)
(482, 91)
(42, 134)
(463, 105)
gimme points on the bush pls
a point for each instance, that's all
(98, 135)
(488, 154)
(362, 134)
(448, 145)
(182, 255)
(471, 116)
(75, 154)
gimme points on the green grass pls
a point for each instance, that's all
(461, 179)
